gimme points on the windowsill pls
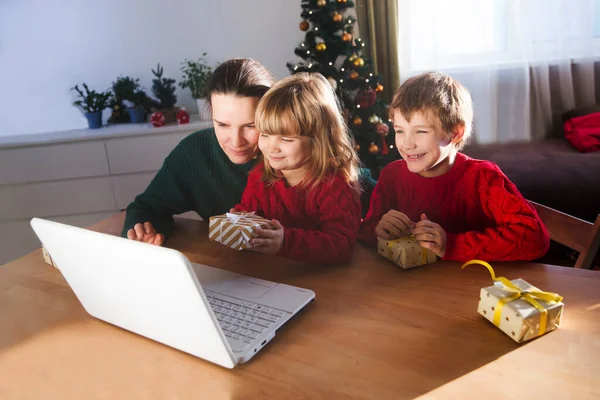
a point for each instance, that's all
(108, 131)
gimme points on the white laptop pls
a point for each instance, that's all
(156, 292)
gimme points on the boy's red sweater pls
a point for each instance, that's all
(484, 215)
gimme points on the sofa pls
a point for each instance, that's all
(553, 173)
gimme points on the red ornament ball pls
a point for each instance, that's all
(382, 129)
(157, 119)
(183, 117)
(366, 98)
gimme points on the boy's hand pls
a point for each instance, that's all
(146, 233)
(393, 225)
(430, 236)
(269, 241)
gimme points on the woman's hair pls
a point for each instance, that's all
(241, 77)
(305, 104)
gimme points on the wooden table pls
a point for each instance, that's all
(375, 331)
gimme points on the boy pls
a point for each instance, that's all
(458, 207)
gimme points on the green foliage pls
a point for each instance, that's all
(90, 100)
(124, 87)
(128, 89)
(163, 89)
(196, 77)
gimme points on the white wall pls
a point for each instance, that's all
(46, 47)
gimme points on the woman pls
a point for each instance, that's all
(208, 170)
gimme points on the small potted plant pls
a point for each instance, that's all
(92, 104)
(164, 90)
(139, 106)
(128, 92)
(196, 77)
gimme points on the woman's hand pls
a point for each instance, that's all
(146, 233)
(430, 236)
(269, 241)
(393, 224)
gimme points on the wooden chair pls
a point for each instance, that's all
(577, 234)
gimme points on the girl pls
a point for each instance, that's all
(307, 183)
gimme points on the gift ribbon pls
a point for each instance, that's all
(529, 295)
(391, 244)
(234, 219)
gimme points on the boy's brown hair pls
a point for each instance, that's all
(436, 94)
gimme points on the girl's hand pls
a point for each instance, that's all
(430, 236)
(146, 233)
(393, 224)
(269, 241)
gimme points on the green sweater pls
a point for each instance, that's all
(196, 176)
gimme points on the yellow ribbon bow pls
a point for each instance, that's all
(529, 295)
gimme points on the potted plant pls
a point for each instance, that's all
(139, 106)
(164, 90)
(128, 92)
(92, 103)
(196, 77)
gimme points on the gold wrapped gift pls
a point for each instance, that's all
(405, 252)
(236, 229)
(519, 309)
(47, 258)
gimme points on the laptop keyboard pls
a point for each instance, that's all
(242, 320)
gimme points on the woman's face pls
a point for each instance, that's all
(233, 119)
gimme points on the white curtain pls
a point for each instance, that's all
(525, 62)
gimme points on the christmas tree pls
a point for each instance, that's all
(331, 49)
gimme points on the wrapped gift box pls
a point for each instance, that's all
(47, 258)
(236, 229)
(405, 252)
(518, 308)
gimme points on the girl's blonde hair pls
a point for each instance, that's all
(305, 104)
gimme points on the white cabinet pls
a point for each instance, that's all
(55, 198)
(126, 187)
(140, 153)
(52, 162)
(78, 177)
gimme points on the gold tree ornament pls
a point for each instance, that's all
(321, 47)
(346, 37)
(357, 121)
(359, 62)
(374, 119)
(337, 17)
(321, 3)
(357, 147)
(373, 149)
(342, 1)
(352, 57)
(379, 88)
(353, 75)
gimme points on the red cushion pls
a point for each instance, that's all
(584, 132)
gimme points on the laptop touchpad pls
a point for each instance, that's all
(239, 287)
